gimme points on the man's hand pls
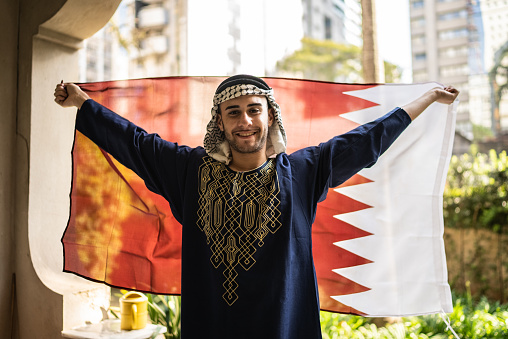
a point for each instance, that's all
(445, 95)
(69, 95)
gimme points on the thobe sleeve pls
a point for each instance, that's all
(333, 162)
(161, 164)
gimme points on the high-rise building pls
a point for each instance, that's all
(440, 40)
(454, 42)
(336, 20)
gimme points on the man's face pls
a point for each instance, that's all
(245, 121)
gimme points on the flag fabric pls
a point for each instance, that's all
(377, 239)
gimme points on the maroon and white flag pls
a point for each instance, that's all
(377, 239)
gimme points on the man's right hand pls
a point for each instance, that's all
(70, 95)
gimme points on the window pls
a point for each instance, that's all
(328, 28)
(454, 70)
(453, 52)
(462, 14)
(453, 34)
(339, 5)
(415, 4)
(339, 10)
(421, 56)
(418, 22)
(419, 39)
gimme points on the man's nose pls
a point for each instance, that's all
(245, 119)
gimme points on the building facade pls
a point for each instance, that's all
(440, 41)
(454, 42)
(336, 20)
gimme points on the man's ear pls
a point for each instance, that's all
(218, 120)
(271, 116)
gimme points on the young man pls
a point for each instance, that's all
(246, 207)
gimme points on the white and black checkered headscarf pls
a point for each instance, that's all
(215, 143)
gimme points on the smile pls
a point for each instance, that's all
(245, 134)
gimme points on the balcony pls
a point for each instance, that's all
(152, 17)
(451, 24)
(448, 61)
(448, 6)
(416, 9)
(441, 44)
(157, 44)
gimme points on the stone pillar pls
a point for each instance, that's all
(49, 36)
(8, 81)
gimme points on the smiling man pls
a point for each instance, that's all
(246, 207)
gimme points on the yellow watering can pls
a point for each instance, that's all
(133, 311)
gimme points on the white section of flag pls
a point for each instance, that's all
(408, 275)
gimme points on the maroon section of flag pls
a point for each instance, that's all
(122, 234)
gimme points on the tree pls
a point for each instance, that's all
(326, 60)
(323, 60)
(392, 72)
(476, 197)
(499, 84)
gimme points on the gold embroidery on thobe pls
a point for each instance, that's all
(236, 212)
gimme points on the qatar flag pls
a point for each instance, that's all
(377, 239)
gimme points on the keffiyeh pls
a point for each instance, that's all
(215, 143)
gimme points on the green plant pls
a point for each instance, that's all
(165, 310)
(323, 60)
(470, 319)
(475, 200)
(476, 192)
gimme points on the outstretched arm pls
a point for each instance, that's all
(445, 95)
(69, 95)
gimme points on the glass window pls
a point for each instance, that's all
(418, 22)
(453, 52)
(419, 39)
(328, 28)
(454, 70)
(417, 4)
(421, 56)
(453, 34)
(462, 14)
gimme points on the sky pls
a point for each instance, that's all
(394, 39)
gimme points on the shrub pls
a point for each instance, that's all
(469, 319)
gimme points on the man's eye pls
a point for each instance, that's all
(233, 112)
(254, 110)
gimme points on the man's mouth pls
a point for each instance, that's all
(245, 134)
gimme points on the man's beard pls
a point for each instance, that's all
(258, 145)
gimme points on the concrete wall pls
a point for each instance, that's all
(8, 60)
(39, 40)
